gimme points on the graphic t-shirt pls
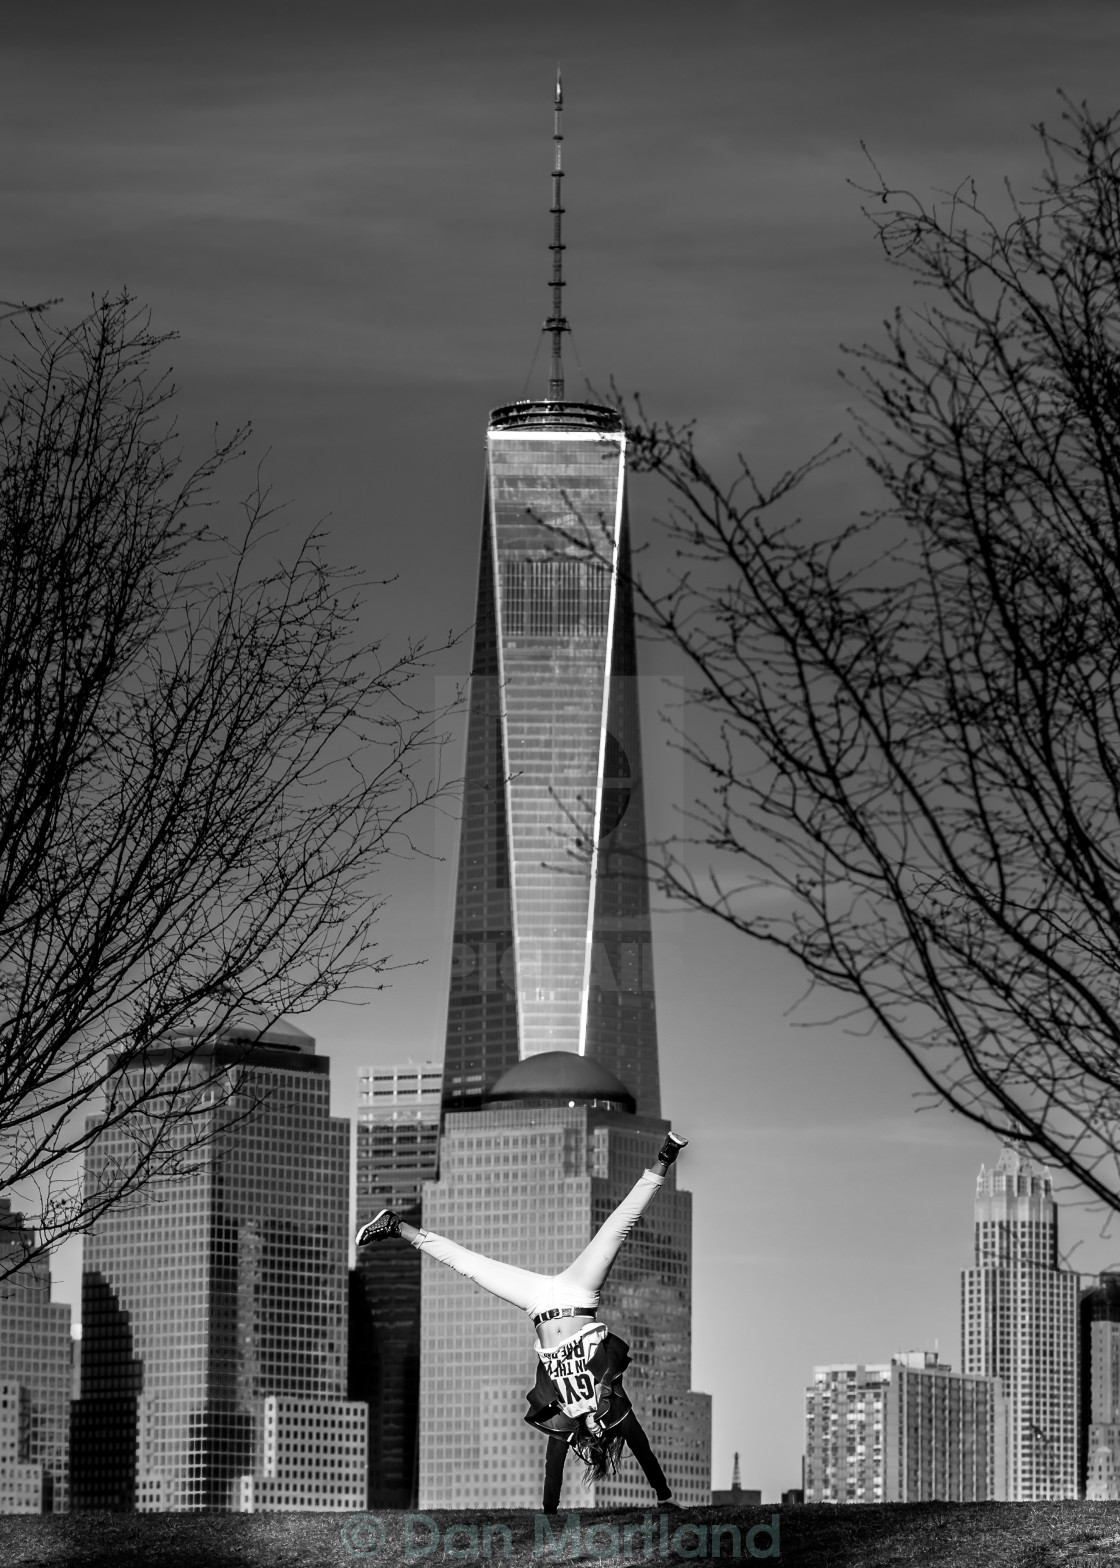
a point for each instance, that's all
(566, 1365)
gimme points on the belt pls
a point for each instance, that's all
(562, 1312)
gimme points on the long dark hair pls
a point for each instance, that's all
(601, 1454)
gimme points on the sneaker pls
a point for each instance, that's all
(384, 1224)
(666, 1505)
(672, 1146)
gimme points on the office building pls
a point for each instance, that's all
(1019, 1323)
(1099, 1368)
(311, 1458)
(21, 1481)
(35, 1370)
(552, 940)
(397, 1135)
(527, 1179)
(945, 1434)
(909, 1430)
(397, 1151)
(214, 1354)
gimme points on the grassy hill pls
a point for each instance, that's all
(929, 1535)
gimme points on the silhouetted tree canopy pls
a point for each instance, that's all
(911, 721)
(201, 765)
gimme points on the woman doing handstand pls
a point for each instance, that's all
(578, 1399)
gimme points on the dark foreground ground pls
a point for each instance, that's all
(812, 1536)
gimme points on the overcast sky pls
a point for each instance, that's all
(342, 209)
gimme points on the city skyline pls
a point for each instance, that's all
(1009, 1424)
(346, 225)
(1004, 1330)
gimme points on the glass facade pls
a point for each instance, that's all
(530, 1185)
(398, 1151)
(35, 1356)
(1019, 1323)
(398, 1135)
(205, 1296)
(21, 1482)
(313, 1458)
(553, 616)
(552, 946)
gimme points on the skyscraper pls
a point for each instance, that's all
(551, 1093)
(552, 945)
(213, 1306)
(398, 1136)
(35, 1350)
(1019, 1323)
(398, 1148)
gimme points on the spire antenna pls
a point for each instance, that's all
(557, 323)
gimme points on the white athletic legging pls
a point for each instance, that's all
(581, 1281)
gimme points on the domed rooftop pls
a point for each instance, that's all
(257, 1029)
(561, 1077)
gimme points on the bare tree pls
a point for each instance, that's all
(201, 768)
(11, 307)
(909, 725)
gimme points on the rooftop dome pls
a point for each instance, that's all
(256, 1029)
(282, 1033)
(561, 1077)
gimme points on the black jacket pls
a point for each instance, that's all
(610, 1360)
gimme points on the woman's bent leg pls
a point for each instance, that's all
(517, 1286)
(554, 1458)
(638, 1443)
(594, 1263)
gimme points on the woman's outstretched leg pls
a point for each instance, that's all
(591, 1268)
(520, 1287)
(517, 1286)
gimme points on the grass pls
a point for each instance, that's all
(1038, 1535)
